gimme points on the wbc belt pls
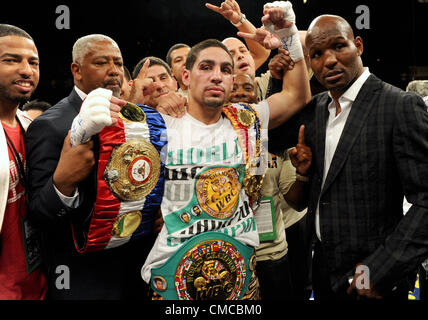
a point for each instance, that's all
(209, 266)
(130, 180)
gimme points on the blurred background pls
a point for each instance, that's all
(394, 32)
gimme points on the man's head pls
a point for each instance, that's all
(244, 62)
(334, 53)
(35, 108)
(19, 65)
(176, 59)
(97, 63)
(209, 73)
(244, 89)
(161, 75)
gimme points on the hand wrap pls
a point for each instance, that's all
(290, 37)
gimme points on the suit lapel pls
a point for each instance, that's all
(321, 122)
(75, 101)
(360, 109)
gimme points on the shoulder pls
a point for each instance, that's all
(56, 120)
(261, 109)
(263, 84)
(153, 116)
(400, 100)
(318, 102)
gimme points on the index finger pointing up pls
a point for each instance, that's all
(301, 138)
(143, 71)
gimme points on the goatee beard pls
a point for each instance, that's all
(18, 99)
(214, 103)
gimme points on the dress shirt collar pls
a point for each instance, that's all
(80, 93)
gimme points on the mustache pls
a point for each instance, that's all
(162, 91)
(112, 82)
(215, 87)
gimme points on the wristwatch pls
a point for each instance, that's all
(241, 21)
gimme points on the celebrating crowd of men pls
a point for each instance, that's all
(160, 183)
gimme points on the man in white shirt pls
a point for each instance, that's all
(207, 205)
(203, 145)
(368, 141)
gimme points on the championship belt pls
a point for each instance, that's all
(216, 197)
(209, 266)
(130, 179)
(242, 121)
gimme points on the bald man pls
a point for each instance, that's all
(369, 145)
(244, 89)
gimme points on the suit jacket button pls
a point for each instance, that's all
(61, 212)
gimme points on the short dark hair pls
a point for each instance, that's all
(153, 62)
(10, 30)
(174, 47)
(36, 105)
(197, 48)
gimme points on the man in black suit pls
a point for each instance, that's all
(369, 143)
(62, 187)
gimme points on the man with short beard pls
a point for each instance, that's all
(20, 277)
(205, 158)
(63, 186)
(213, 171)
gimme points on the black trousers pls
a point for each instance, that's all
(274, 279)
(299, 257)
(111, 274)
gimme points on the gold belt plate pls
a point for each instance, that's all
(126, 224)
(133, 170)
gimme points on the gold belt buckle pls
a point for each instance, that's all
(133, 170)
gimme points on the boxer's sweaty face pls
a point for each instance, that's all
(102, 67)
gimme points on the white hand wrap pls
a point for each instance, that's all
(93, 117)
(290, 37)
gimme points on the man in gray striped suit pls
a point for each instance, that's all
(369, 142)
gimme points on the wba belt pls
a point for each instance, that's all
(209, 266)
(130, 180)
